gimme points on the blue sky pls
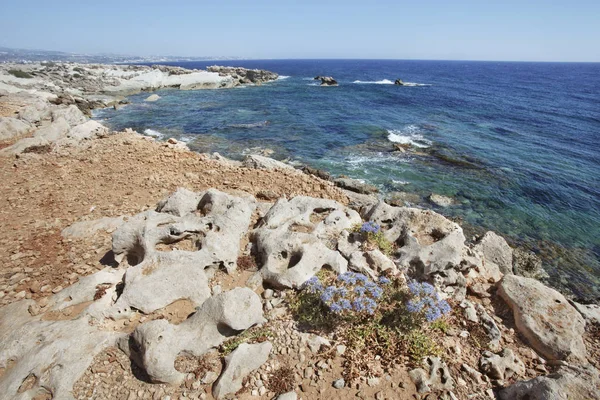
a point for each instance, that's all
(553, 30)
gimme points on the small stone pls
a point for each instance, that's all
(267, 294)
(308, 372)
(340, 349)
(373, 381)
(339, 383)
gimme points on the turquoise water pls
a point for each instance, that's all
(517, 145)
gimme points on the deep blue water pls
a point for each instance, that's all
(516, 144)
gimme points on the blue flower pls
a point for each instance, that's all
(370, 227)
(426, 301)
(313, 285)
(383, 280)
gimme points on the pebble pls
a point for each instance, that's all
(340, 349)
(267, 294)
(339, 383)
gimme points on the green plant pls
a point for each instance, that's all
(440, 325)
(20, 74)
(419, 346)
(252, 335)
(373, 237)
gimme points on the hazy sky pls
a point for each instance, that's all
(552, 30)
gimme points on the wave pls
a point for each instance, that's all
(153, 133)
(282, 77)
(409, 135)
(381, 82)
(416, 84)
(308, 79)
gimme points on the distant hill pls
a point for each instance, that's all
(25, 55)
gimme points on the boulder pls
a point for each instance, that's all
(88, 130)
(180, 203)
(58, 129)
(568, 383)
(238, 365)
(545, 318)
(71, 114)
(255, 161)
(498, 255)
(440, 201)
(355, 186)
(158, 343)
(399, 82)
(590, 312)
(402, 199)
(13, 128)
(152, 98)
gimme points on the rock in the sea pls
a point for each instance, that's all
(238, 365)
(568, 383)
(245, 76)
(498, 255)
(326, 80)
(158, 343)
(399, 82)
(355, 186)
(402, 199)
(545, 318)
(152, 98)
(434, 376)
(440, 201)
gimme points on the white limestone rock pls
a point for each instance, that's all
(13, 128)
(545, 318)
(239, 364)
(159, 342)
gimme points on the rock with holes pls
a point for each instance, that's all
(292, 241)
(433, 377)
(355, 185)
(169, 252)
(89, 228)
(180, 203)
(545, 318)
(498, 255)
(501, 366)
(430, 246)
(238, 365)
(568, 383)
(44, 357)
(163, 279)
(156, 344)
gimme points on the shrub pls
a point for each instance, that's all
(426, 302)
(252, 335)
(20, 74)
(373, 237)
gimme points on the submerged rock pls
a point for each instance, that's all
(441, 201)
(527, 264)
(355, 185)
(152, 98)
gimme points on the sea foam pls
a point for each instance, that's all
(153, 133)
(409, 135)
(381, 82)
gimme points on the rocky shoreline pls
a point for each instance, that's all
(138, 269)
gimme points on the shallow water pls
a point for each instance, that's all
(517, 145)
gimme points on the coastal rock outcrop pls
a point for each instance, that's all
(399, 82)
(243, 75)
(11, 128)
(355, 185)
(545, 318)
(256, 161)
(498, 255)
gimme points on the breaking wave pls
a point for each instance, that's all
(410, 135)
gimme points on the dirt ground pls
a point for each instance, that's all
(122, 174)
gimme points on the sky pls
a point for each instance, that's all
(552, 30)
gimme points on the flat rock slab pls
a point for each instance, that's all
(552, 326)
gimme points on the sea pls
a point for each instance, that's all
(516, 145)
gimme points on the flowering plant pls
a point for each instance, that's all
(349, 293)
(425, 302)
(373, 237)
